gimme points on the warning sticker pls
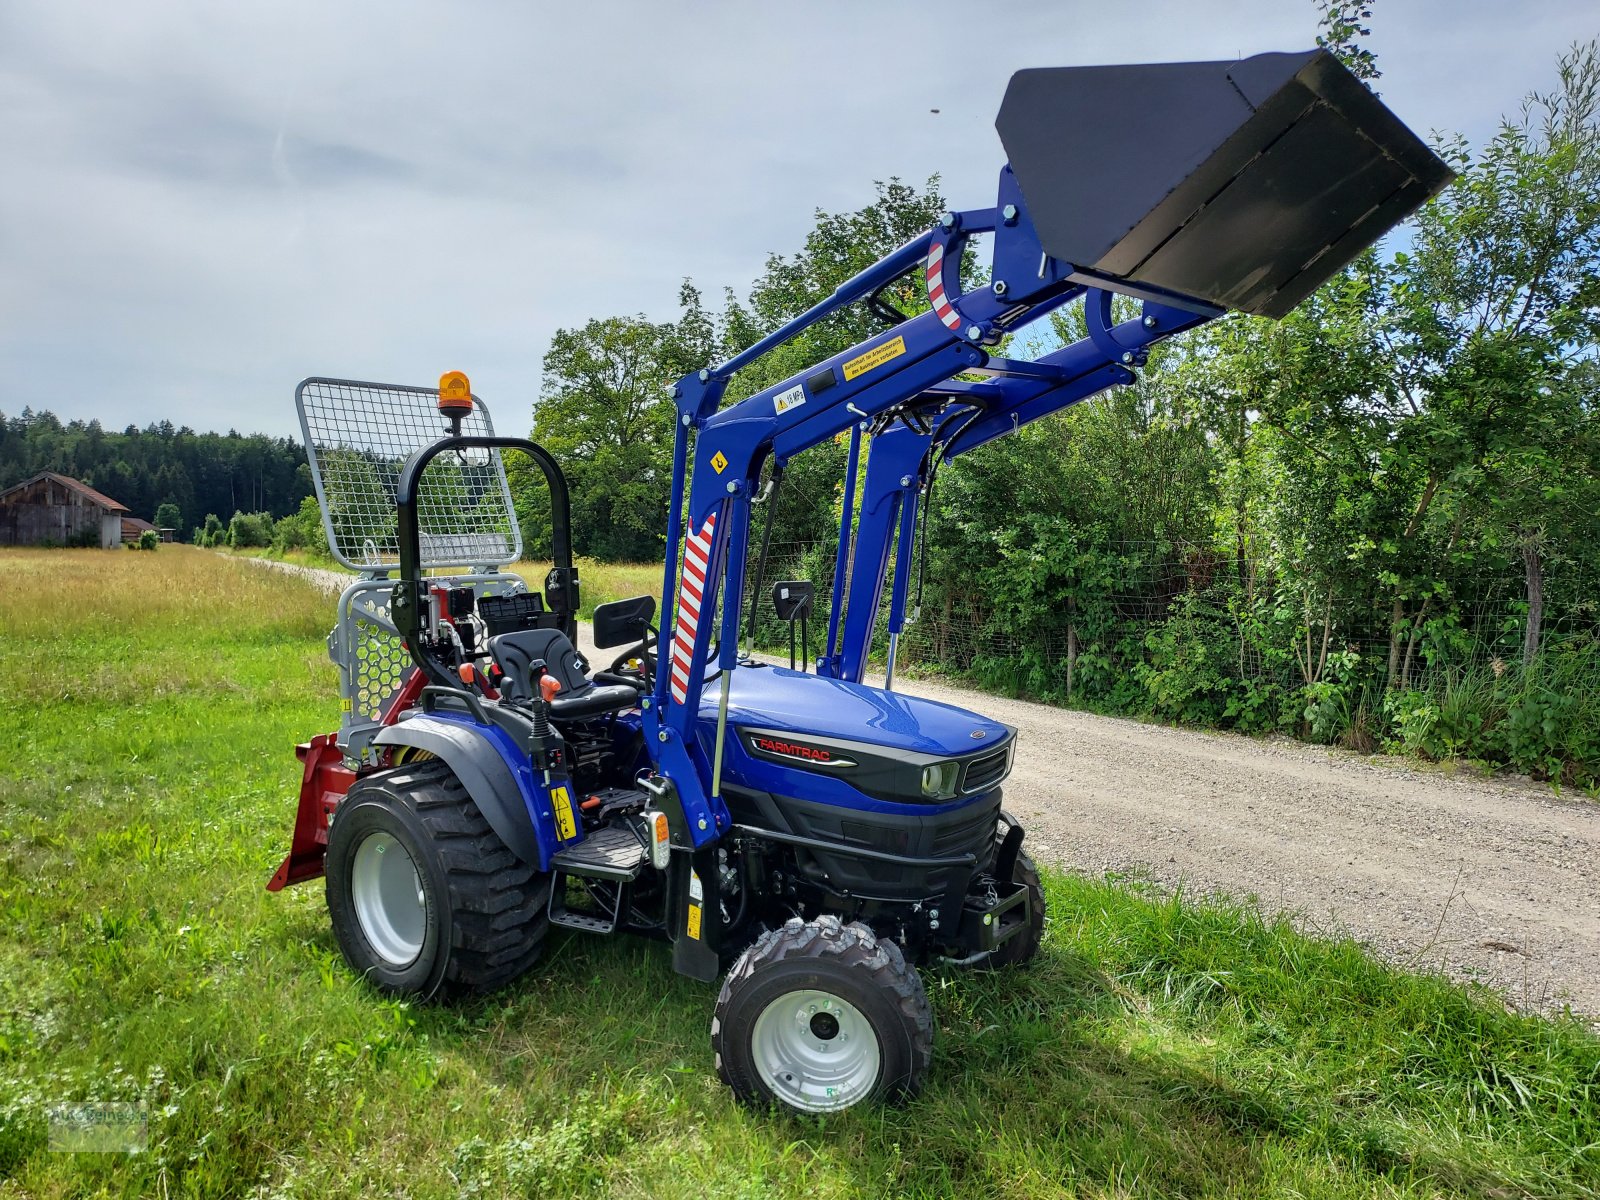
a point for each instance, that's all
(566, 827)
(876, 357)
(792, 398)
(697, 890)
(719, 462)
(694, 922)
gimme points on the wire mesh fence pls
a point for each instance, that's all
(1254, 628)
(358, 437)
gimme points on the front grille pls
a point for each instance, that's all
(985, 772)
(967, 833)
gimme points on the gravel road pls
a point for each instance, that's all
(1494, 880)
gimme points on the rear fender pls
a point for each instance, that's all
(496, 774)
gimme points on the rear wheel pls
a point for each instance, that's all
(425, 898)
(820, 1016)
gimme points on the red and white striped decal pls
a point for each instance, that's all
(696, 564)
(936, 296)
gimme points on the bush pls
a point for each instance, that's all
(148, 540)
(1187, 673)
(302, 530)
(169, 516)
(1543, 719)
(250, 530)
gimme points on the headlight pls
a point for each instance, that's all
(939, 780)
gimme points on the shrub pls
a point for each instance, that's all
(148, 540)
(169, 516)
(302, 530)
(1187, 674)
(250, 530)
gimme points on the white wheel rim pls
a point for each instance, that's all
(387, 893)
(816, 1052)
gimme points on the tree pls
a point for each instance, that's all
(605, 411)
(1342, 31)
(1500, 305)
(168, 516)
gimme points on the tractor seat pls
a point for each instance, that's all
(516, 652)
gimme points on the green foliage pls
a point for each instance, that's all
(1185, 672)
(148, 540)
(605, 412)
(168, 516)
(249, 530)
(1341, 32)
(1542, 718)
(82, 540)
(302, 530)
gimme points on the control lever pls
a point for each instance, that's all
(544, 747)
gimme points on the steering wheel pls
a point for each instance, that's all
(636, 665)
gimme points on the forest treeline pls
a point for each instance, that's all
(162, 468)
(1374, 522)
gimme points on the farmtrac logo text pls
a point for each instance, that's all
(800, 751)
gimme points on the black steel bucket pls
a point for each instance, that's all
(1243, 184)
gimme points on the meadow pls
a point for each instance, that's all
(149, 704)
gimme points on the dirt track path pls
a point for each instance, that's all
(1494, 880)
(1487, 879)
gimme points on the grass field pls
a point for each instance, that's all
(149, 703)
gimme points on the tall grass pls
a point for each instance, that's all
(599, 582)
(1160, 1047)
(1542, 719)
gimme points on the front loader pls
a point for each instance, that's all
(812, 840)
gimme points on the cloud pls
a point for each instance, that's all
(206, 202)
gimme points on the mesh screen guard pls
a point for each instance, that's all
(358, 437)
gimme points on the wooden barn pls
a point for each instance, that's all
(52, 508)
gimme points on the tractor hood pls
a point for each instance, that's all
(778, 700)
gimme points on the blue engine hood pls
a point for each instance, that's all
(786, 701)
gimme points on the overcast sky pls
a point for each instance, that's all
(203, 202)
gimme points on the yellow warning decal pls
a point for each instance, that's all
(876, 357)
(345, 704)
(566, 827)
(719, 462)
(694, 922)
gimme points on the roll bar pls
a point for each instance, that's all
(405, 604)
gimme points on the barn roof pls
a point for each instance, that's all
(83, 489)
(132, 527)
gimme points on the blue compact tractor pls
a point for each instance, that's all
(808, 837)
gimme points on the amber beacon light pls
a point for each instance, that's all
(455, 397)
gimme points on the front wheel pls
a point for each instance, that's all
(818, 1016)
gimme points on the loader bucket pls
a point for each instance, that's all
(1243, 184)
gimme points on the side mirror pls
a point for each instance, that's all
(791, 600)
(623, 622)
